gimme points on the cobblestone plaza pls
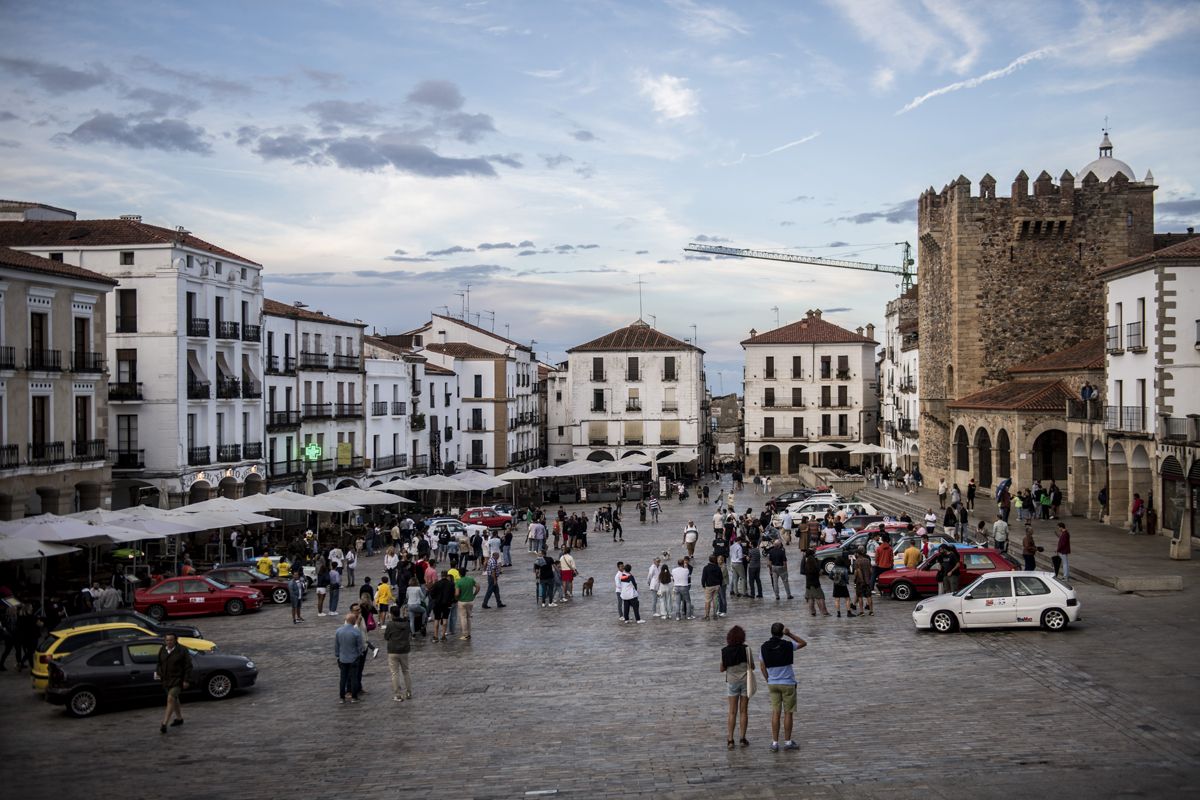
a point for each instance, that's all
(568, 702)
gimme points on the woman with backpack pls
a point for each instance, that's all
(814, 595)
(841, 585)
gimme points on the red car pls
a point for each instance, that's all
(274, 589)
(903, 583)
(486, 515)
(195, 594)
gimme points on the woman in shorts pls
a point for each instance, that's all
(736, 662)
(814, 595)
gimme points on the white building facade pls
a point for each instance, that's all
(184, 351)
(1152, 416)
(899, 396)
(806, 382)
(316, 416)
(397, 444)
(634, 390)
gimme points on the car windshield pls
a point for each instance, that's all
(258, 576)
(217, 583)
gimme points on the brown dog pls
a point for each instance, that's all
(587, 587)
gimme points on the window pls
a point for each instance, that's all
(993, 587)
(669, 368)
(164, 588)
(126, 310)
(127, 365)
(797, 368)
(126, 258)
(768, 427)
(977, 561)
(72, 643)
(144, 653)
(768, 398)
(798, 427)
(561, 431)
(558, 397)
(631, 369)
(1029, 586)
(476, 419)
(826, 367)
(597, 400)
(769, 369)
(843, 396)
(478, 384)
(597, 369)
(83, 417)
(110, 657)
(218, 267)
(843, 425)
(56, 257)
(797, 396)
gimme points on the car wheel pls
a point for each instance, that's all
(827, 567)
(82, 703)
(902, 591)
(1054, 619)
(234, 607)
(943, 622)
(219, 686)
(157, 613)
(280, 595)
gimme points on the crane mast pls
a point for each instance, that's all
(904, 270)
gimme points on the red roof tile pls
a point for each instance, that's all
(810, 330)
(478, 329)
(1086, 355)
(1187, 249)
(437, 369)
(395, 349)
(638, 336)
(277, 309)
(1046, 395)
(465, 351)
(27, 262)
(101, 233)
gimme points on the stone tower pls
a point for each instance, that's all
(1005, 280)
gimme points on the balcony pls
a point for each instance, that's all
(835, 435)
(252, 333)
(124, 392)
(379, 408)
(8, 357)
(599, 407)
(826, 375)
(1112, 340)
(251, 390)
(252, 450)
(1181, 429)
(1125, 419)
(633, 376)
(197, 326)
(633, 404)
(476, 461)
(1134, 337)
(797, 375)
(355, 465)
(317, 410)
(282, 420)
(320, 466)
(40, 454)
(348, 410)
(634, 442)
(383, 463)
(836, 403)
(1087, 410)
(843, 374)
(281, 365)
(670, 405)
(10, 456)
(198, 456)
(89, 450)
(421, 463)
(43, 360)
(670, 441)
(350, 362)
(127, 323)
(477, 426)
(227, 329)
(228, 388)
(417, 422)
(127, 459)
(229, 452)
(598, 442)
(87, 362)
(670, 377)
(907, 425)
(318, 361)
(908, 384)
(285, 469)
(769, 375)
(399, 408)
(909, 342)
(599, 377)
(199, 390)
(448, 434)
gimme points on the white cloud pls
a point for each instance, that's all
(545, 74)
(971, 83)
(962, 24)
(708, 23)
(1119, 36)
(773, 150)
(883, 79)
(671, 97)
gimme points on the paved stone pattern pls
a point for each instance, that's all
(568, 699)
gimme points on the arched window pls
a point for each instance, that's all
(962, 458)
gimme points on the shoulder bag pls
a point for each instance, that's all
(751, 679)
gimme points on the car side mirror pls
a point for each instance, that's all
(971, 597)
(212, 589)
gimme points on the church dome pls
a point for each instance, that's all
(1106, 166)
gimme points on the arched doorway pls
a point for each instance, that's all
(983, 458)
(600, 455)
(768, 460)
(962, 451)
(1141, 478)
(200, 491)
(796, 457)
(1174, 493)
(914, 458)
(320, 488)
(229, 488)
(1050, 456)
(1003, 455)
(347, 483)
(254, 484)
(1118, 486)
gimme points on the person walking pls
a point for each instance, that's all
(814, 595)
(777, 558)
(942, 489)
(491, 568)
(663, 592)
(654, 508)
(737, 564)
(335, 587)
(691, 535)
(414, 602)
(174, 671)
(841, 586)
(1137, 511)
(322, 588)
(737, 663)
(441, 598)
(568, 571)
(710, 582)
(863, 598)
(1063, 551)
(351, 565)
(390, 562)
(296, 594)
(543, 573)
(348, 645)
(398, 638)
(1029, 549)
(776, 659)
(754, 587)
(464, 590)
(1000, 534)
(630, 596)
(971, 490)
(681, 579)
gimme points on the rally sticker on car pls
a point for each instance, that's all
(1024, 619)
(195, 599)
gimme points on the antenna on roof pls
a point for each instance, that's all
(639, 283)
(506, 336)
(463, 297)
(653, 321)
(492, 317)
(776, 310)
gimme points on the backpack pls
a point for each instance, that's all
(841, 576)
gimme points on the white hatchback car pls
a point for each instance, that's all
(1001, 600)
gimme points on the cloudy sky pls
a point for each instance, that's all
(377, 157)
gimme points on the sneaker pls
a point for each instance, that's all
(552, 605)
(721, 614)
(790, 745)
(341, 701)
(625, 621)
(320, 613)
(641, 622)
(691, 617)
(375, 653)
(398, 699)
(353, 699)
(774, 747)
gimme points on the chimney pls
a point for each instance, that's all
(859, 330)
(816, 313)
(753, 333)
(871, 331)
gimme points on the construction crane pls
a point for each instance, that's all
(904, 270)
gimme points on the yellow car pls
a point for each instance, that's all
(63, 642)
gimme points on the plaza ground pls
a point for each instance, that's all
(568, 700)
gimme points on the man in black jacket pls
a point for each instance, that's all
(710, 580)
(175, 672)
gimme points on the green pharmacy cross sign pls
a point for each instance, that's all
(312, 451)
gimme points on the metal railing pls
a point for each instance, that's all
(229, 452)
(124, 391)
(1131, 419)
(670, 440)
(197, 326)
(421, 463)
(252, 450)
(346, 362)
(1133, 336)
(284, 469)
(907, 425)
(400, 408)
(599, 377)
(44, 360)
(317, 410)
(348, 410)
(1084, 410)
(670, 376)
(127, 459)
(599, 407)
(279, 420)
(1185, 429)
(356, 463)
(908, 384)
(251, 333)
(633, 404)
(228, 388)
(670, 405)
(10, 456)
(843, 374)
(199, 390)
(417, 422)
(598, 442)
(8, 357)
(379, 408)
(251, 390)
(474, 426)
(87, 362)
(1112, 339)
(43, 453)
(228, 329)
(198, 456)
(89, 450)
(314, 360)
(395, 461)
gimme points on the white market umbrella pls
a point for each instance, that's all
(397, 485)
(53, 528)
(365, 497)
(635, 458)
(18, 549)
(477, 481)
(867, 449)
(581, 467)
(678, 457)
(288, 499)
(613, 467)
(516, 475)
(183, 523)
(822, 447)
(214, 504)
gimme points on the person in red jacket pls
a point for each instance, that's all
(1136, 512)
(885, 559)
(1063, 550)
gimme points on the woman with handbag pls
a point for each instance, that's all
(737, 662)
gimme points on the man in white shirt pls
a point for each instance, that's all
(829, 534)
(718, 521)
(691, 536)
(931, 520)
(787, 523)
(652, 581)
(737, 564)
(681, 579)
(337, 557)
